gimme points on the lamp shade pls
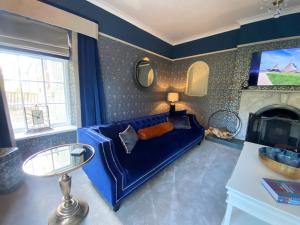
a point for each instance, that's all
(173, 97)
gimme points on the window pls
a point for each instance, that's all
(35, 80)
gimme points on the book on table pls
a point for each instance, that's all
(283, 191)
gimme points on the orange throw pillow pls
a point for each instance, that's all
(155, 131)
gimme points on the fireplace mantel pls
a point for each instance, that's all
(253, 100)
(269, 90)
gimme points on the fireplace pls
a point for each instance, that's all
(276, 126)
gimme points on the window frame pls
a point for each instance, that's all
(66, 84)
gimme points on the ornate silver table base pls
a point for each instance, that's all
(70, 211)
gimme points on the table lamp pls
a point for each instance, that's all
(173, 97)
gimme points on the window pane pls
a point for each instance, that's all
(27, 80)
(55, 93)
(54, 71)
(31, 68)
(8, 63)
(13, 92)
(57, 113)
(33, 92)
(17, 117)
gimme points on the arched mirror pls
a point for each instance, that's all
(145, 73)
(197, 79)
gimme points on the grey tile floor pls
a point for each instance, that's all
(191, 191)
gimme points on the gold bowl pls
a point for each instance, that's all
(283, 169)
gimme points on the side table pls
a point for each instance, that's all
(59, 161)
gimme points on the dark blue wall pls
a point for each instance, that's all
(216, 42)
(285, 26)
(113, 25)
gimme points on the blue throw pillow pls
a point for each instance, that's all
(128, 138)
(180, 122)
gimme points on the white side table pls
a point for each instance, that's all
(248, 202)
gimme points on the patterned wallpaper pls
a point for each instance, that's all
(221, 68)
(228, 70)
(33, 145)
(123, 97)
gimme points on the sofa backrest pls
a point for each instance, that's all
(145, 121)
(112, 130)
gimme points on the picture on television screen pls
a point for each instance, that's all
(276, 67)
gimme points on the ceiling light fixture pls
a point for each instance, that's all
(276, 7)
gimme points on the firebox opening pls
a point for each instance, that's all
(276, 126)
(280, 111)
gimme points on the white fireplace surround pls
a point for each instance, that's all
(254, 100)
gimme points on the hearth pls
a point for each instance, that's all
(276, 126)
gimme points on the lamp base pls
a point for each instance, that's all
(172, 108)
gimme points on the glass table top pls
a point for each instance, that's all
(58, 160)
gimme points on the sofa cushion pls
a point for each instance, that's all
(155, 131)
(147, 154)
(186, 136)
(154, 152)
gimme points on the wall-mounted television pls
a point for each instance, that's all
(275, 67)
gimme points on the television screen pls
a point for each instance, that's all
(276, 67)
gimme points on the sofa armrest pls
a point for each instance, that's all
(102, 170)
(194, 122)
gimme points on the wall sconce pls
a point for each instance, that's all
(173, 97)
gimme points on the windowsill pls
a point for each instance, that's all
(57, 130)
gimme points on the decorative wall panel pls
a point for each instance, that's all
(221, 67)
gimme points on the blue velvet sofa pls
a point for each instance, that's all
(114, 173)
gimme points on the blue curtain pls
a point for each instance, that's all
(6, 133)
(91, 85)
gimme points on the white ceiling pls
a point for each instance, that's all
(179, 21)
